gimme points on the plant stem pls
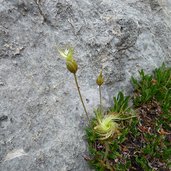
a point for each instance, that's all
(100, 94)
(78, 88)
(106, 150)
(122, 119)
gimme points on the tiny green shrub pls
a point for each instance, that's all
(157, 85)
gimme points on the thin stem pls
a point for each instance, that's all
(100, 93)
(106, 150)
(105, 157)
(78, 88)
(122, 119)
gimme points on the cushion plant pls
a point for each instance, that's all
(130, 138)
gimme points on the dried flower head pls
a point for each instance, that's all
(107, 127)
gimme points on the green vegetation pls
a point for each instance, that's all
(141, 143)
(134, 138)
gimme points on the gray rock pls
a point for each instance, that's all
(41, 118)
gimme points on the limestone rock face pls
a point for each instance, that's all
(41, 118)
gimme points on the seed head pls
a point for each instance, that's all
(71, 64)
(100, 79)
(107, 127)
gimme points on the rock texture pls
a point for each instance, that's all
(41, 118)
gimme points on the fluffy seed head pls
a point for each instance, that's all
(107, 127)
